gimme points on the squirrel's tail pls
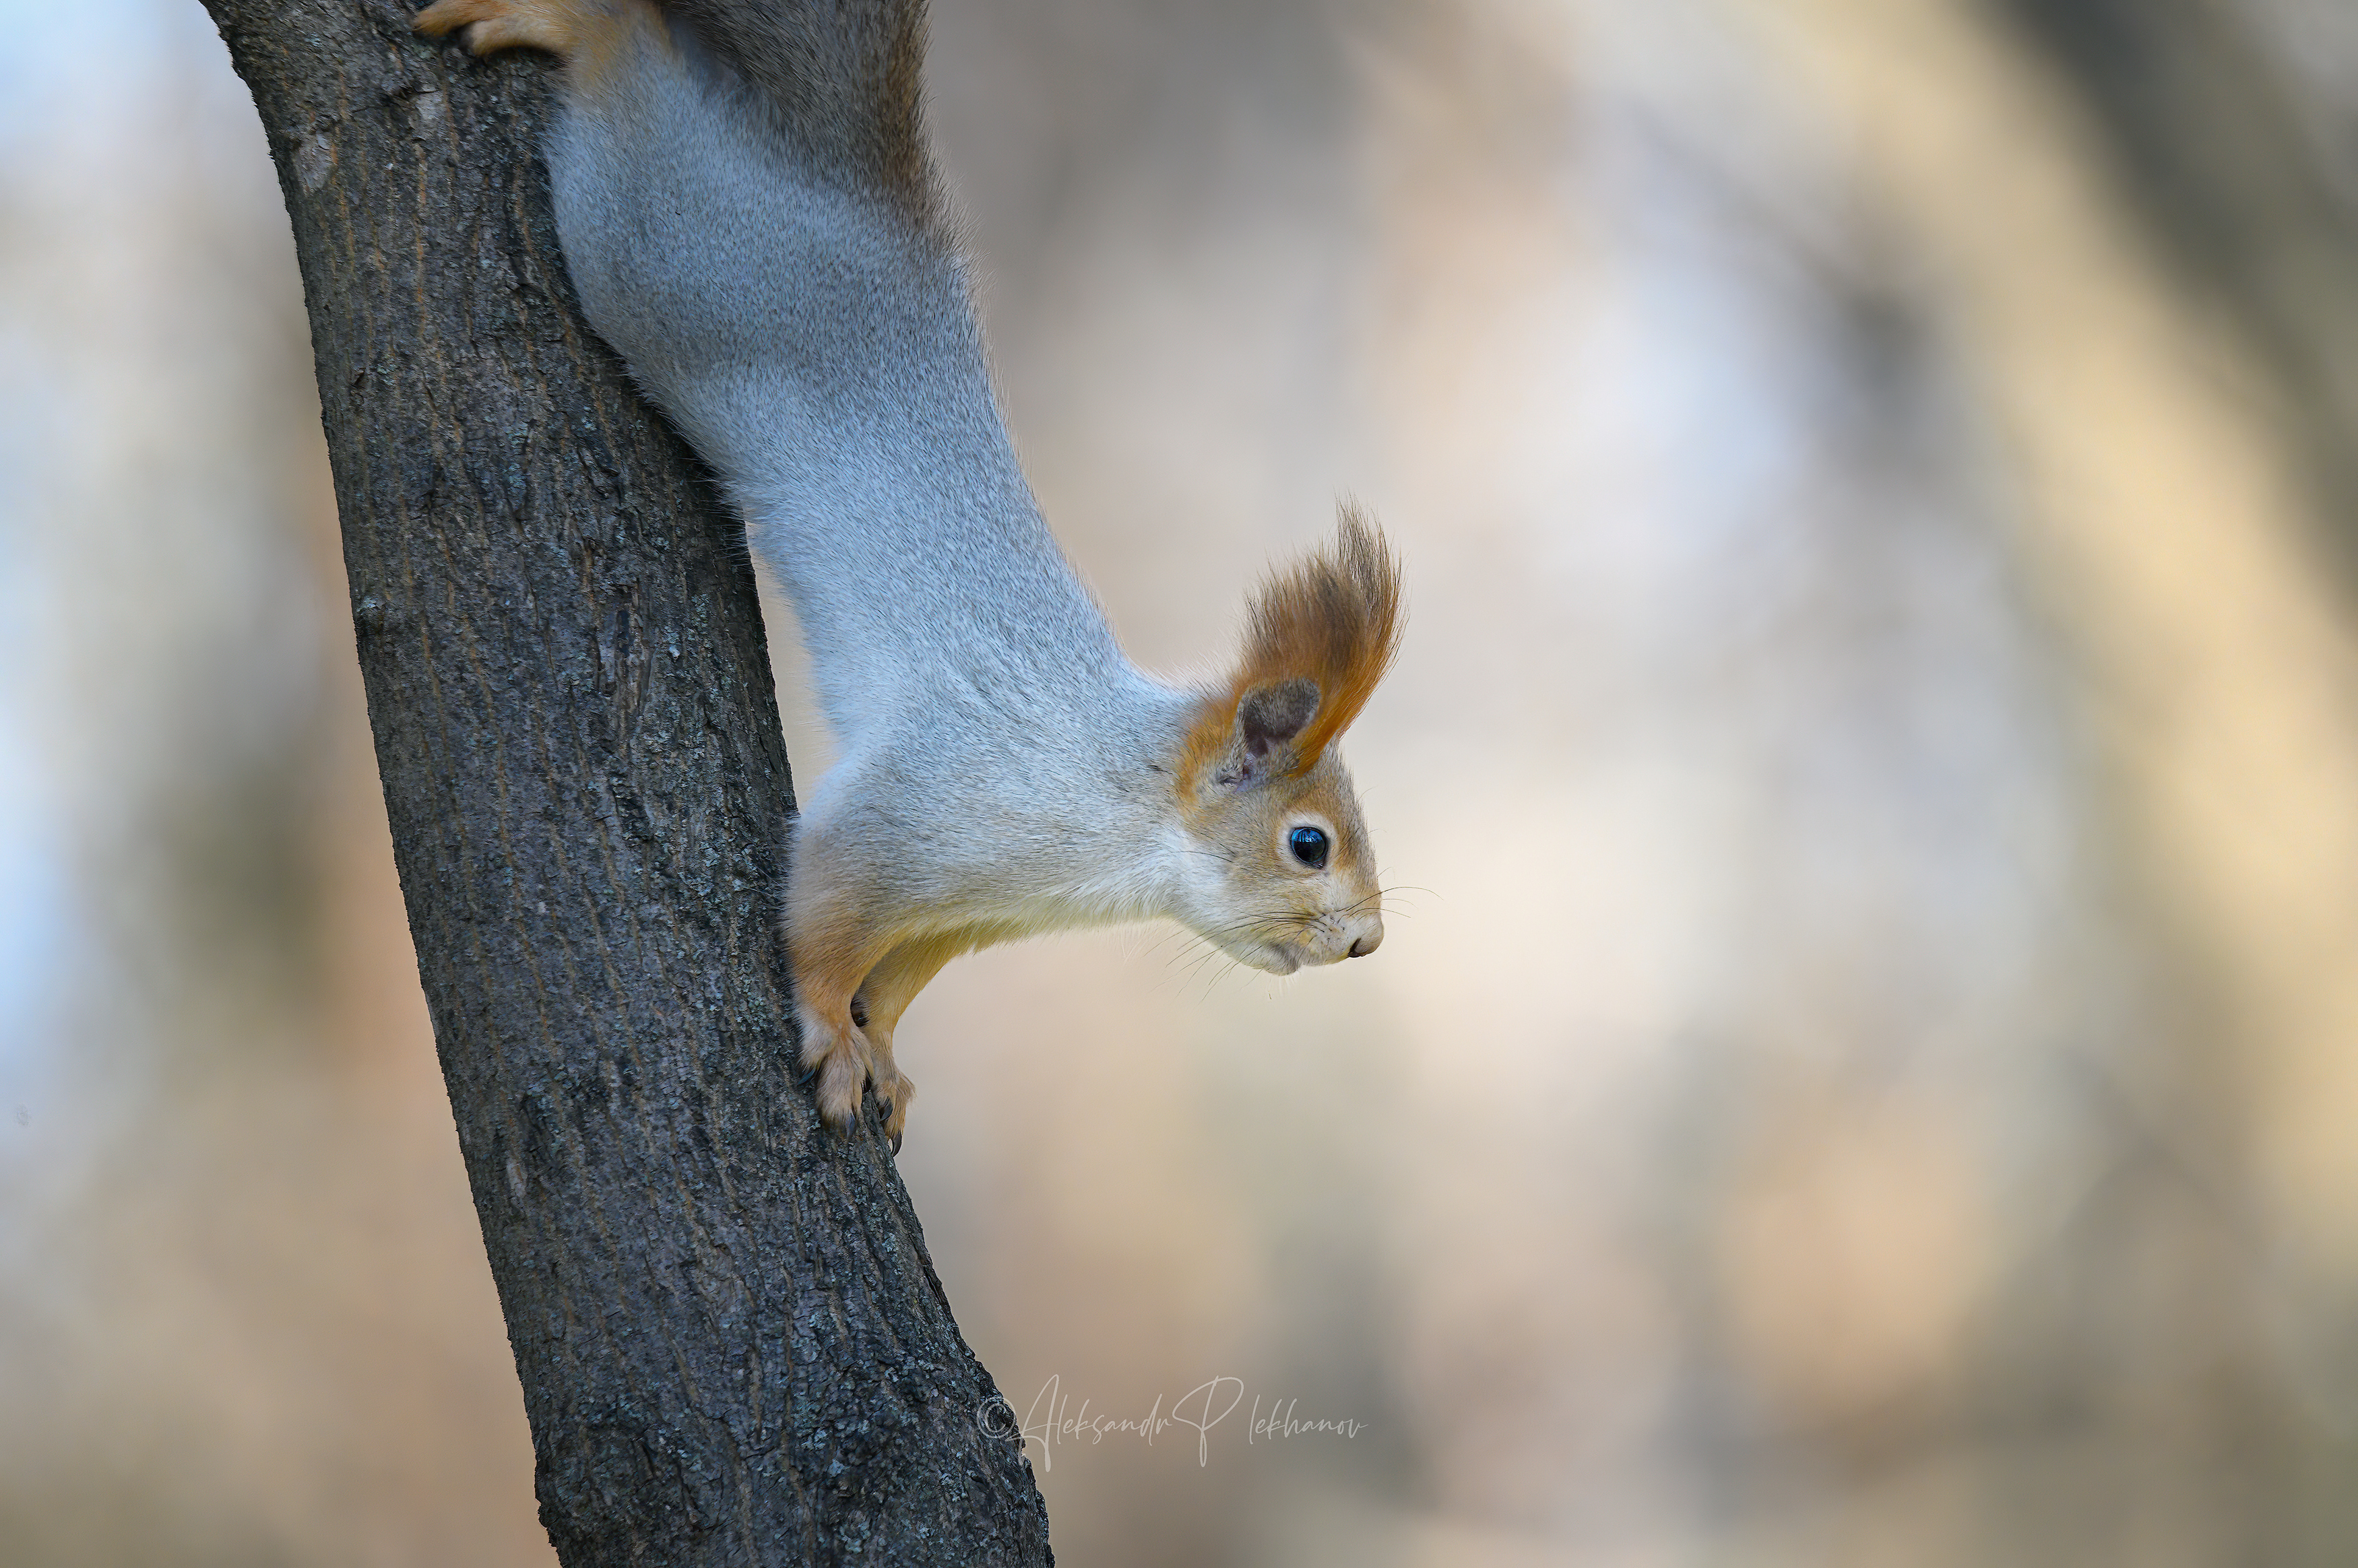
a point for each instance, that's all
(839, 80)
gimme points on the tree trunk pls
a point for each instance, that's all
(732, 1345)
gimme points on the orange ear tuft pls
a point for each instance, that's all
(1332, 619)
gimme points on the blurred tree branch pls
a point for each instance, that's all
(732, 1345)
(2206, 135)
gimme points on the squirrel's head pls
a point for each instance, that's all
(1281, 873)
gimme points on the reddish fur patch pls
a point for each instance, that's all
(588, 35)
(1333, 618)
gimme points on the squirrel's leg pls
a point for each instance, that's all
(885, 996)
(833, 1047)
(837, 930)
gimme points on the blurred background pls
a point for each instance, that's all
(1865, 1065)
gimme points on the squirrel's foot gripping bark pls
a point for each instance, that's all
(846, 1061)
(556, 25)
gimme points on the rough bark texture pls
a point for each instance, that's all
(732, 1346)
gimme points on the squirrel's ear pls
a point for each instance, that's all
(1329, 625)
(1272, 715)
(1261, 739)
(1318, 639)
(1256, 738)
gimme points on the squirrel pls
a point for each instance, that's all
(752, 217)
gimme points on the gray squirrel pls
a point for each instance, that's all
(752, 217)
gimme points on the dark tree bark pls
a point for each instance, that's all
(732, 1345)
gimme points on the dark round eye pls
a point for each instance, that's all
(1309, 845)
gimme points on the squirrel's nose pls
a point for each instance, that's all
(1368, 943)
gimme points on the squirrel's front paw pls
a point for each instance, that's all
(893, 1092)
(836, 1052)
(844, 1061)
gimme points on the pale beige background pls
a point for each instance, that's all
(1862, 1064)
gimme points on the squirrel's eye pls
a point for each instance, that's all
(1309, 845)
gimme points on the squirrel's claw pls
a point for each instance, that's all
(893, 1093)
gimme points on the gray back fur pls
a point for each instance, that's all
(744, 223)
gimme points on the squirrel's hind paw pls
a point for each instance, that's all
(548, 24)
